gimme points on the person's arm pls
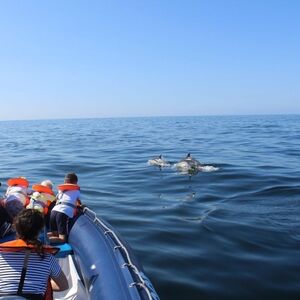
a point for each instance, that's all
(59, 283)
(58, 278)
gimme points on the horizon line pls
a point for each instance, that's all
(158, 116)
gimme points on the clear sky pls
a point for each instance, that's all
(70, 59)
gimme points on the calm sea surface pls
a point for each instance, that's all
(229, 234)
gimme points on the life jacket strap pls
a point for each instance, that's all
(67, 203)
(24, 271)
(42, 203)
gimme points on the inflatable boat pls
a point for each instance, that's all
(99, 265)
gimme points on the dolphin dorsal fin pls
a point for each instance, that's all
(188, 155)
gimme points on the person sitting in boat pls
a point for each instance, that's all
(42, 196)
(65, 208)
(16, 196)
(25, 264)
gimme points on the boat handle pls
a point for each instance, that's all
(127, 265)
(136, 284)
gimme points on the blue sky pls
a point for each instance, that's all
(70, 59)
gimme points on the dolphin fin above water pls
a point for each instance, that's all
(158, 161)
(188, 164)
(192, 166)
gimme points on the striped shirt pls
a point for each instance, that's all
(38, 271)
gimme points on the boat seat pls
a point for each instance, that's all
(65, 249)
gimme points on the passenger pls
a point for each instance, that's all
(42, 196)
(36, 260)
(16, 196)
(65, 208)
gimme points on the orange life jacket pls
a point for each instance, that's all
(20, 245)
(42, 189)
(18, 181)
(68, 187)
(22, 182)
(43, 202)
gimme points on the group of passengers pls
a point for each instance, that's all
(27, 266)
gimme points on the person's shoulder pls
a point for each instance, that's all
(74, 192)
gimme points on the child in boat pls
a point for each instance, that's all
(16, 196)
(42, 196)
(65, 208)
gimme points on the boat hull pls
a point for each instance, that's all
(105, 262)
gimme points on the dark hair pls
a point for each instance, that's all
(71, 178)
(28, 224)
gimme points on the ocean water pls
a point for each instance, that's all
(232, 233)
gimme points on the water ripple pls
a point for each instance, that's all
(223, 235)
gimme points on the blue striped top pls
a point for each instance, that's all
(38, 271)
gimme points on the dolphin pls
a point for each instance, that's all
(158, 161)
(188, 164)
